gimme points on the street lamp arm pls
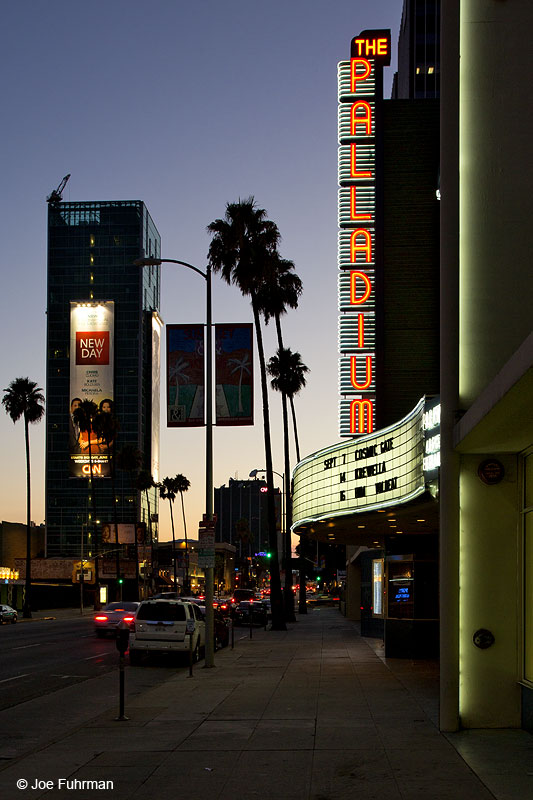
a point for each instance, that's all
(155, 262)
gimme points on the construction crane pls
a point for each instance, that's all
(56, 197)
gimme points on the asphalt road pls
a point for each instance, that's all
(57, 675)
(39, 657)
(44, 656)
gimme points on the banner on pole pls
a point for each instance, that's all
(185, 376)
(234, 374)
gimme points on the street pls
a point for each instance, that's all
(39, 657)
(57, 673)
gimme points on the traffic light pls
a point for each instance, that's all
(120, 579)
(268, 555)
(318, 578)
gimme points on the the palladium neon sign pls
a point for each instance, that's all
(360, 87)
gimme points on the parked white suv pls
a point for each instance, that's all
(166, 626)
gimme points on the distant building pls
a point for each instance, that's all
(13, 542)
(241, 510)
(103, 333)
(418, 75)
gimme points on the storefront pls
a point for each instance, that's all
(380, 493)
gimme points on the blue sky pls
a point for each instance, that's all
(186, 106)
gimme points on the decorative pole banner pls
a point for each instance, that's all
(185, 376)
(234, 374)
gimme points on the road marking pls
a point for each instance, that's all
(25, 646)
(16, 678)
(97, 656)
(66, 676)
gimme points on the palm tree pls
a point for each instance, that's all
(288, 373)
(84, 416)
(242, 247)
(129, 459)
(288, 377)
(167, 491)
(182, 485)
(280, 291)
(23, 398)
(144, 483)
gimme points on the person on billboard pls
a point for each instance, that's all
(105, 426)
(106, 534)
(74, 428)
(106, 406)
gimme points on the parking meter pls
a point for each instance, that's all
(123, 637)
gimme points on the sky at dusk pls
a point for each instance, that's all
(186, 106)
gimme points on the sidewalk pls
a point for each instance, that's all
(314, 713)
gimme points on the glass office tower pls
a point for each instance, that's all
(91, 250)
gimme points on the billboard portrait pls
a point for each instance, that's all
(125, 530)
(234, 374)
(91, 378)
(185, 375)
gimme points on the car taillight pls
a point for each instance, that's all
(128, 619)
(100, 618)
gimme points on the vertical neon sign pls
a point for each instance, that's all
(360, 87)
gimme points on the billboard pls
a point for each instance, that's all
(234, 397)
(126, 533)
(91, 378)
(366, 474)
(185, 375)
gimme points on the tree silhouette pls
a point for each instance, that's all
(23, 398)
(242, 248)
(167, 491)
(182, 485)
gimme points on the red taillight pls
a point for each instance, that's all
(128, 619)
(101, 618)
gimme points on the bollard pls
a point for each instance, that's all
(122, 641)
(190, 631)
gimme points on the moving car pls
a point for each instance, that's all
(8, 614)
(167, 626)
(255, 609)
(108, 619)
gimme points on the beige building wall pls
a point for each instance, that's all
(486, 355)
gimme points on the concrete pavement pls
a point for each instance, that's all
(313, 713)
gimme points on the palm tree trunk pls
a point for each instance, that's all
(187, 583)
(26, 612)
(302, 600)
(276, 599)
(173, 548)
(289, 596)
(295, 427)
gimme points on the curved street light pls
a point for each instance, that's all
(209, 571)
(286, 534)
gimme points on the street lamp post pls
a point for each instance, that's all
(287, 534)
(209, 571)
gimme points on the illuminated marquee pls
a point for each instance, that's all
(359, 87)
(368, 473)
